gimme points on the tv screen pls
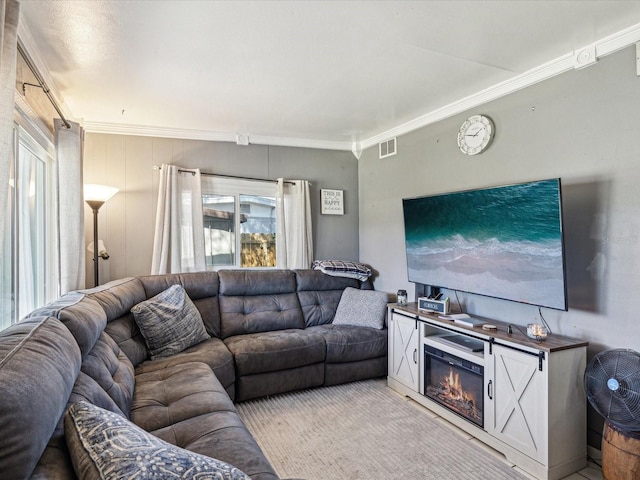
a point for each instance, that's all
(504, 242)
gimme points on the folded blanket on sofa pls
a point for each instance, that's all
(343, 268)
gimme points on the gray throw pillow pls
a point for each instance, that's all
(363, 308)
(105, 446)
(169, 322)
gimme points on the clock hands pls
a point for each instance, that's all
(475, 134)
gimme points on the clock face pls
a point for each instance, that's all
(475, 134)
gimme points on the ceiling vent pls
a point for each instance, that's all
(387, 148)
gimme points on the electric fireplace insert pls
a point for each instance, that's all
(455, 383)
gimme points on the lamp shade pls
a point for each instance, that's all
(98, 193)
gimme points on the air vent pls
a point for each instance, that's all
(387, 148)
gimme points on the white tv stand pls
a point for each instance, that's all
(534, 401)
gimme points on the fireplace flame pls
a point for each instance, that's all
(455, 391)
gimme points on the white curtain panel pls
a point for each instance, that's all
(69, 149)
(27, 260)
(9, 15)
(294, 235)
(178, 244)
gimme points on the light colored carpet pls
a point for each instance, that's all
(363, 430)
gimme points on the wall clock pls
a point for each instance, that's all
(475, 134)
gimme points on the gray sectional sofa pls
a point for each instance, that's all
(268, 332)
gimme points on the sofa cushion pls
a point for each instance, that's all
(315, 280)
(348, 343)
(112, 370)
(117, 296)
(319, 307)
(39, 362)
(126, 333)
(338, 373)
(280, 381)
(202, 288)
(213, 352)
(261, 313)
(170, 395)
(258, 301)
(224, 436)
(105, 446)
(169, 322)
(365, 308)
(256, 282)
(83, 316)
(274, 351)
(86, 388)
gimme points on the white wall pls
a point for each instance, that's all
(582, 126)
(126, 222)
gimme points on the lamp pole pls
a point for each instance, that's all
(95, 206)
(96, 196)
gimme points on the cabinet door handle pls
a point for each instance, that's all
(415, 355)
(490, 389)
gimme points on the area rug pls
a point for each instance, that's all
(363, 430)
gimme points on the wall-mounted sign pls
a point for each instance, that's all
(332, 202)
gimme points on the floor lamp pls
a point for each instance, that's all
(96, 196)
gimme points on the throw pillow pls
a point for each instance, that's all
(169, 322)
(364, 308)
(106, 446)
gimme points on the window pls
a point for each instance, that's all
(244, 206)
(28, 271)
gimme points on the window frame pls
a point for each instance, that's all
(28, 135)
(235, 187)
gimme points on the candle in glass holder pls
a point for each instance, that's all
(537, 331)
(402, 297)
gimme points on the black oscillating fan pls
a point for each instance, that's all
(612, 384)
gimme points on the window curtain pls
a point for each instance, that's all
(294, 239)
(178, 244)
(69, 144)
(9, 15)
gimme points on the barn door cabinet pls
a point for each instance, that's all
(404, 352)
(534, 401)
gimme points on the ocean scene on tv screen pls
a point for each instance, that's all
(504, 242)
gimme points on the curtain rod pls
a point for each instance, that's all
(41, 85)
(156, 167)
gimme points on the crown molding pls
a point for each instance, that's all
(565, 63)
(189, 134)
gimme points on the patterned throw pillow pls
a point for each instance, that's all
(364, 308)
(169, 322)
(105, 446)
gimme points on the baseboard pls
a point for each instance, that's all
(594, 453)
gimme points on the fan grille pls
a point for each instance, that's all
(612, 385)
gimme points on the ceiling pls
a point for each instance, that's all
(331, 74)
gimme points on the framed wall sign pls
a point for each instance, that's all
(332, 202)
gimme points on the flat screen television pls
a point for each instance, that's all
(504, 242)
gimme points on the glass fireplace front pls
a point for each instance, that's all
(454, 383)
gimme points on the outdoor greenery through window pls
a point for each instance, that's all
(239, 223)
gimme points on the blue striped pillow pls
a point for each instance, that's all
(169, 322)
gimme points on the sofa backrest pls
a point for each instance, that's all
(202, 288)
(258, 301)
(106, 376)
(319, 295)
(39, 360)
(84, 318)
(116, 298)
